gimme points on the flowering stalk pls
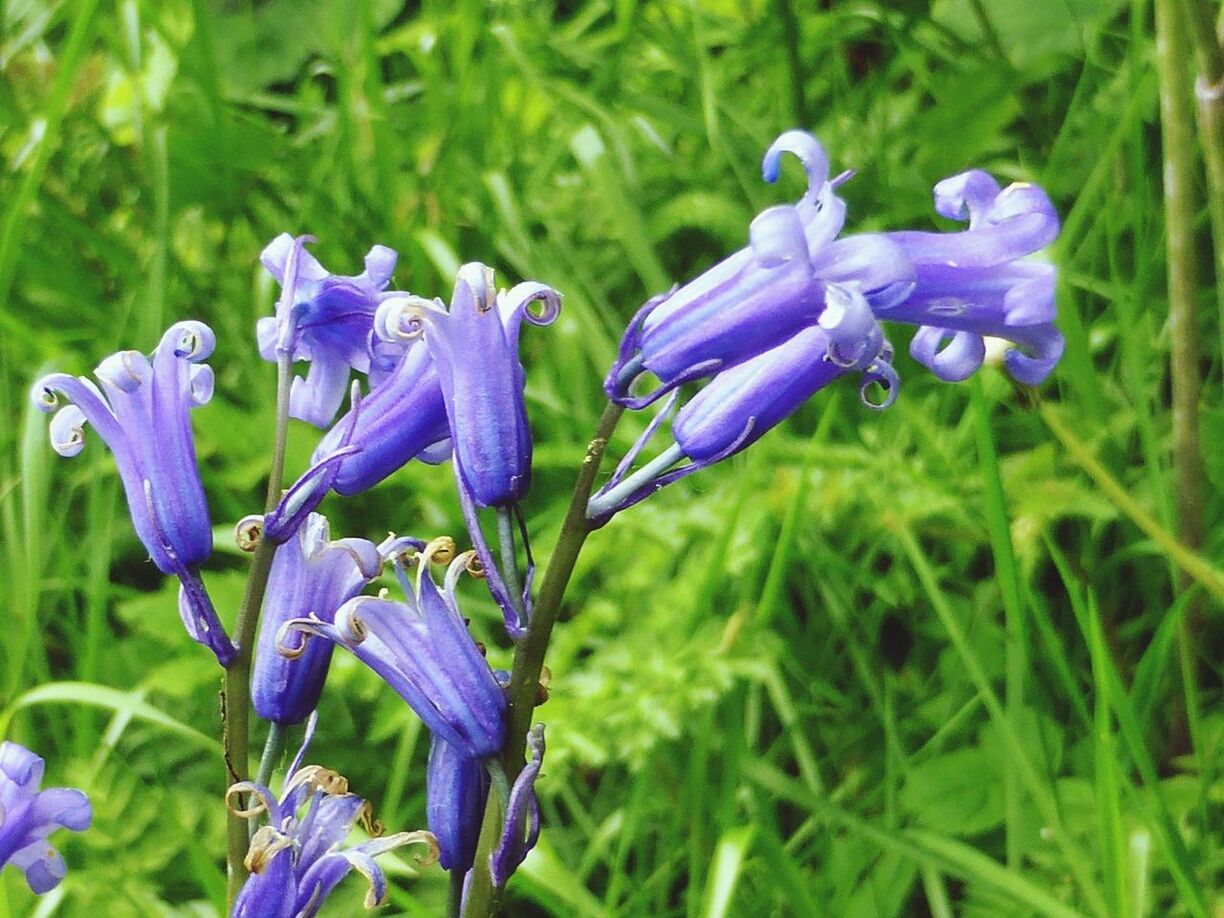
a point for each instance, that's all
(1209, 94)
(483, 898)
(236, 695)
(1177, 141)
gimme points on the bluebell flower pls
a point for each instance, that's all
(323, 318)
(422, 649)
(141, 409)
(456, 789)
(474, 346)
(762, 295)
(739, 405)
(972, 284)
(28, 816)
(311, 576)
(297, 858)
(401, 419)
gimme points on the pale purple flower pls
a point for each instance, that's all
(762, 295)
(972, 283)
(323, 318)
(311, 576)
(521, 829)
(28, 815)
(141, 410)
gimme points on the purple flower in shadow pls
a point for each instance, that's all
(28, 816)
(311, 576)
(298, 858)
(421, 647)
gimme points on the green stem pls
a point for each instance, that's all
(509, 561)
(1209, 95)
(235, 702)
(273, 747)
(1177, 141)
(483, 899)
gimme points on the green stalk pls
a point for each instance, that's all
(236, 694)
(1015, 642)
(1177, 141)
(1209, 96)
(483, 899)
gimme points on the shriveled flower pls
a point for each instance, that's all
(474, 346)
(456, 788)
(521, 830)
(28, 816)
(141, 409)
(296, 859)
(401, 419)
(311, 576)
(972, 284)
(738, 406)
(422, 648)
(323, 318)
(761, 296)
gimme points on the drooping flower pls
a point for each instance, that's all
(401, 419)
(761, 296)
(474, 346)
(323, 318)
(456, 788)
(739, 405)
(296, 859)
(141, 409)
(311, 576)
(423, 650)
(28, 816)
(972, 284)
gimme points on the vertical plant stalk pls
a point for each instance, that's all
(483, 899)
(1209, 96)
(1177, 142)
(236, 695)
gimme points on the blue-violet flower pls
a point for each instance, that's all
(28, 816)
(971, 284)
(456, 789)
(311, 576)
(762, 295)
(296, 860)
(422, 648)
(474, 346)
(142, 412)
(323, 318)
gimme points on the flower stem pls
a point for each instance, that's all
(509, 561)
(273, 747)
(236, 694)
(483, 899)
(1209, 95)
(1177, 142)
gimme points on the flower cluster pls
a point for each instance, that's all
(797, 309)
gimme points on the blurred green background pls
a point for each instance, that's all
(904, 663)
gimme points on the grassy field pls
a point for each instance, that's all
(933, 660)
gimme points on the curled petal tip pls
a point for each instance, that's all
(67, 430)
(809, 151)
